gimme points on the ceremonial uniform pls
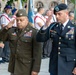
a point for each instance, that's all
(63, 55)
(25, 54)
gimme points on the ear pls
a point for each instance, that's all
(67, 12)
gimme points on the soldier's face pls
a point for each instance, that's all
(22, 22)
(62, 16)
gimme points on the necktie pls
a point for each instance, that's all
(19, 31)
(61, 28)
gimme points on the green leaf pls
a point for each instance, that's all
(73, 1)
(11, 1)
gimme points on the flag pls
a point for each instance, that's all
(20, 4)
(66, 2)
(31, 12)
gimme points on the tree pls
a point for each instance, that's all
(73, 1)
(11, 1)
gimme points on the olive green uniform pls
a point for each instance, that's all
(25, 54)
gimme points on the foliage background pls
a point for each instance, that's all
(11, 1)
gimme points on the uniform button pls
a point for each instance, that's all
(26, 40)
(59, 37)
(17, 45)
(74, 59)
(58, 47)
(69, 38)
(58, 52)
(59, 42)
(72, 37)
(29, 61)
(27, 28)
(17, 50)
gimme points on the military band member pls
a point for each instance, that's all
(63, 34)
(25, 54)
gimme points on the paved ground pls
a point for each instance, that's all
(43, 70)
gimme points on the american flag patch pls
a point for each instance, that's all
(14, 34)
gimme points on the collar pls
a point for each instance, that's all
(65, 23)
(5, 14)
(38, 14)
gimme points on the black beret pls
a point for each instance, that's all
(21, 12)
(60, 7)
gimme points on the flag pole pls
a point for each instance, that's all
(27, 6)
(30, 12)
(20, 4)
(64, 1)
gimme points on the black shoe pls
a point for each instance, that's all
(6, 60)
(1, 61)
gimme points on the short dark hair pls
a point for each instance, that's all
(71, 12)
(39, 9)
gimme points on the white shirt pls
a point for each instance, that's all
(39, 19)
(65, 23)
(53, 18)
(14, 17)
(5, 19)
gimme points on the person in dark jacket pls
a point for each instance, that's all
(25, 53)
(63, 34)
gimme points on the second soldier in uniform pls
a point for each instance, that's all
(63, 54)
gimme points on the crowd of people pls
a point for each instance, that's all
(5, 18)
(53, 36)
